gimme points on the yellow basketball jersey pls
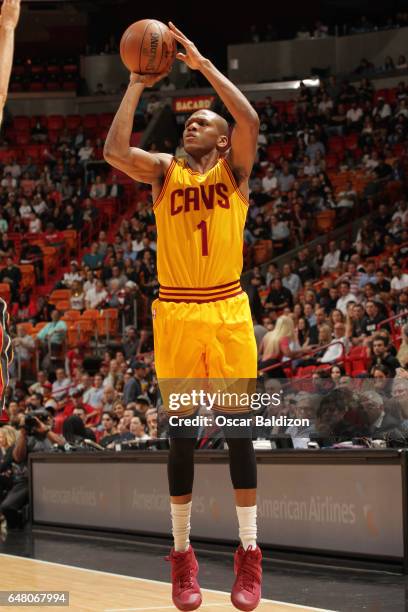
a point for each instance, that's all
(200, 222)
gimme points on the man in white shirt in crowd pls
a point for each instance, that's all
(401, 212)
(338, 346)
(96, 296)
(346, 198)
(291, 281)
(13, 168)
(354, 115)
(331, 259)
(86, 152)
(399, 279)
(72, 276)
(61, 386)
(345, 297)
(269, 181)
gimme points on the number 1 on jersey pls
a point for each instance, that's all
(204, 238)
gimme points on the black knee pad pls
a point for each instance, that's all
(180, 466)
(242, 461)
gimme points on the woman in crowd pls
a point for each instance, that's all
(402, 354)
(109, 433)
(77, 299)
(276, 345)
(336, 374)
(8, 437)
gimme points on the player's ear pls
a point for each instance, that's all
(222, 143)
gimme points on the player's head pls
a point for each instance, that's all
(205, 131)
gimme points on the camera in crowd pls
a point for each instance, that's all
(30, 422)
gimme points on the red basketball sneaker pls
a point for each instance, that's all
(186, 592)
(246, 592)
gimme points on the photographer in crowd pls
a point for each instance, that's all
(35, 435)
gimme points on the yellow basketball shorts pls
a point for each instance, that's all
(211, 340)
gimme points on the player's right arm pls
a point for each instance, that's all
(10, 12)
(136, 163)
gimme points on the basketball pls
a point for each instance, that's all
(148, 47)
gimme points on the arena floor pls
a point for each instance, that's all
(105, 573)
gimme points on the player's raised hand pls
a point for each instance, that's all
(10, 13)
(192, 57)
(148, 80)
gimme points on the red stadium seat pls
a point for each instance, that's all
(351, 141)
(53, 136)
(287, 149)
(290, 107)
(36, 86)
(274, 152)
(33, 151)
(73, 122)
(22, 124)
(336, 144)
(23, 138)
(331, 161)
(105, 120)
(356, 361)
(70, 68)
(90, 122)
(69, 85)
(56, 122)
(53, 86)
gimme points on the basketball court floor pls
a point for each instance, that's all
(106, 573)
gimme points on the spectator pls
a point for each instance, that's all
(132, 388)
(77, 298)
(275, 345)
(399, 279)
(379, 422)
(98, 189)
(402, 354)
(382, 356)
(11, 274)
(54, 332)
(331, 259)
(291, 281)
(345, 297)
(93, 259)
(86, 152)
(279, 297)
(338, 346)
(61, 387)
(40, 439)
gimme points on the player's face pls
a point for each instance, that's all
(201, 133)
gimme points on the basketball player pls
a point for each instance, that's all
(10, 12)
(202, 320)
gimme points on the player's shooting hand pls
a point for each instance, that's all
(148, 80)
(192, 57)
(10, 12)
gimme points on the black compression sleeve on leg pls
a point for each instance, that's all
(242, 460)
(180, 466)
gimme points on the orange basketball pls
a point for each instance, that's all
(148, 47)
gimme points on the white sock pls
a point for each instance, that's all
(180, 518)
(247, 526)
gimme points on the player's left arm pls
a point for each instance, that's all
(10, 12)
(245, 133)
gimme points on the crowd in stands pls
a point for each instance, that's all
(332, 155)
(367, 69)
(333, 27)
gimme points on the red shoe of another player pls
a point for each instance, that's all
(186, 592)
(246, 592)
